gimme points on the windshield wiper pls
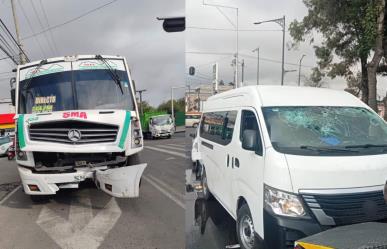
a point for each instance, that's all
(113, 73)
(29, 80)
(367, 146)
(326, 149)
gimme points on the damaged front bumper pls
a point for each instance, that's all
(120, 182)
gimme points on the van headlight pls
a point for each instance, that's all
(282, 203)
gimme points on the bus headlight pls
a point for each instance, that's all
(136, 133)
(282, 203)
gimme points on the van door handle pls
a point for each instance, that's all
(236, 162)
(228, 160)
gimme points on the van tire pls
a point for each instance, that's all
(206, 191)
(245, 229)
(195, 125)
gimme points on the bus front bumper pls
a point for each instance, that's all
(120, 182)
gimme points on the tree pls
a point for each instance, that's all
(378, 52)
(178, 106)
(315, 78)
(350, 32)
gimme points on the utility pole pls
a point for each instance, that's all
(257, 50)
(299, 70)
(243, 72)
(140, 92)
(21, 54)
(282, 23)
(237, 36)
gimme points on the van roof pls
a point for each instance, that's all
(266, 95)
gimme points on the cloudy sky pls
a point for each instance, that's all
(268, 38)
(125, 27)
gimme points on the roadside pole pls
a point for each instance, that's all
(21, 54)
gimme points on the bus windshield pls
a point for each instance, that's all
(75, 90)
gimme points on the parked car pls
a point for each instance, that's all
(5, 143)
(288, 162)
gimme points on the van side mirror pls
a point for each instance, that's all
(249, 140)
(13, 96)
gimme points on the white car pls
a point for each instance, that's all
(5, 143)
(289, 162)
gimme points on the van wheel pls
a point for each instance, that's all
(206, 190)
(39, 198)
(245, 229)
(195, 125)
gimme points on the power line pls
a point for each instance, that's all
(48, 25)
(14, 40)
(274, 61)
(32, 29)
(41, 25)
(226, 29)
(69, 21)
(225, 16)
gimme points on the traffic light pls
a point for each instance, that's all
(173, 24)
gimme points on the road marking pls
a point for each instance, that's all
(165, 192)
(170, 158)
(177, 145)
(167, 187)
(10, 194)
(71, 234)
(171, 147)
(167, 151)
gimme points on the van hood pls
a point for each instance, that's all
(338, 172)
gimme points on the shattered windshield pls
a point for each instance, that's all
(303, 130)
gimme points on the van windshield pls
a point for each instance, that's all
(325, 130)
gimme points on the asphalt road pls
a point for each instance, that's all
(207, 223)
(89, 218)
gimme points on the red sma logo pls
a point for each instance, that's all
(75, 115)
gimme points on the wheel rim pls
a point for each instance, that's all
(246, 231)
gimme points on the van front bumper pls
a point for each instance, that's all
(281, 232)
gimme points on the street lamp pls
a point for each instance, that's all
(282, 23)
(299, 70)
(237, 35)
(257, 50)
(172, 107)
(140, 92)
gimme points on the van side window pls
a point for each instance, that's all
(249, 122)
(218, 127)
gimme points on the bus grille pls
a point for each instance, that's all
(73, 132)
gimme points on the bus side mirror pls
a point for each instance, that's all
(13, 96)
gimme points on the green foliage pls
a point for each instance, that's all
(178, 106)
(348, 29)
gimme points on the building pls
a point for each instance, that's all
(195, 97)
(7, 124)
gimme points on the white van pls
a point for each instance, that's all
(287, 162)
